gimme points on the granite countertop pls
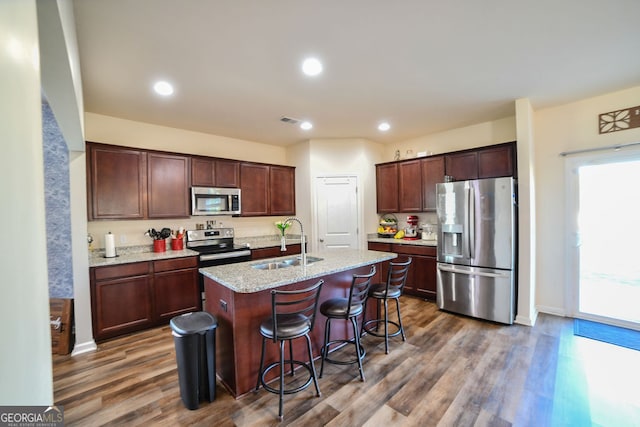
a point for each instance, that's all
(243, 278)
(417, 242)
(260, 242)
(129, 254)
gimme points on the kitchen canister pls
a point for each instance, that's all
(177, 244)
(159, 245)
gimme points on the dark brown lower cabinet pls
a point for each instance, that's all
(175, 287)
(421, 280)
(131, 297)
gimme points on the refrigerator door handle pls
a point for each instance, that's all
(471, 273)
(472, 223)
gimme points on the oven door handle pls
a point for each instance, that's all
(224, 255)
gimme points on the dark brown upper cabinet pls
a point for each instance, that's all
(207, 172)
(168, 185)
(202, 172)
(117, 182)
(399, 187)
(267, 189)
(432, 174)
(462, 166)
(496, 162)
(387, 188)
(126, 183)
(488, 162)
(410, 186)
(282, 191)
(254, 184)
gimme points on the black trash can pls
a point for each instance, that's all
(194, 335)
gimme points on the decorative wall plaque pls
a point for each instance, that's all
(614, 121)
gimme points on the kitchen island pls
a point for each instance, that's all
(240, 298)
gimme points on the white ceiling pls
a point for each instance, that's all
(425, 66)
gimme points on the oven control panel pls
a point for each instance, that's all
(209, 234)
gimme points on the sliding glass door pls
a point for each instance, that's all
(605, 211)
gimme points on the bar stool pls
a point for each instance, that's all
(392, 289)
(347, 309)
(293, 316)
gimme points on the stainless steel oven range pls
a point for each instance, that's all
(216, 247)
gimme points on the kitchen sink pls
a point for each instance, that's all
(288, 262)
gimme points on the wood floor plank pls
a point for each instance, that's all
(385, 416)
(366, 404)
(428, 372)
(442, 394)
(504, 397)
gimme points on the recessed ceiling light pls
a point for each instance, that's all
(163, 88)
(311, 67)
(306, 125)
(384, 126)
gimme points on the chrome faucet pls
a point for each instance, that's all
(304, 252)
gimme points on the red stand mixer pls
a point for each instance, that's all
(411, 232)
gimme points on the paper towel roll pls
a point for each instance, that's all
(109, 245)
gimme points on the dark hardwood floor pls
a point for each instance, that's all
(451, 371)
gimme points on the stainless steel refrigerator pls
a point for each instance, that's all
(477, 247)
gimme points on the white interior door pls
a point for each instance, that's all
(337, 212)
(606, 206)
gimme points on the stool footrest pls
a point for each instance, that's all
(381, 334)
(286, 391)
(363, 352)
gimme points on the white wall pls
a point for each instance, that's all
(568, 127)
(300, 156)
(348, 156)
(478, 135)
(81, 289)
(25, 359)
(527, 243)
(60, 65)
(116, 131)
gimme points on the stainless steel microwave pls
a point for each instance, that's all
(215, 201)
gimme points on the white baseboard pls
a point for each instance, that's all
(84, 347)
(527, 321)
(556, 311)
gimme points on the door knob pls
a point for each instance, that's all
(321, 240)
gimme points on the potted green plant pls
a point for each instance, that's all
(282, 226)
